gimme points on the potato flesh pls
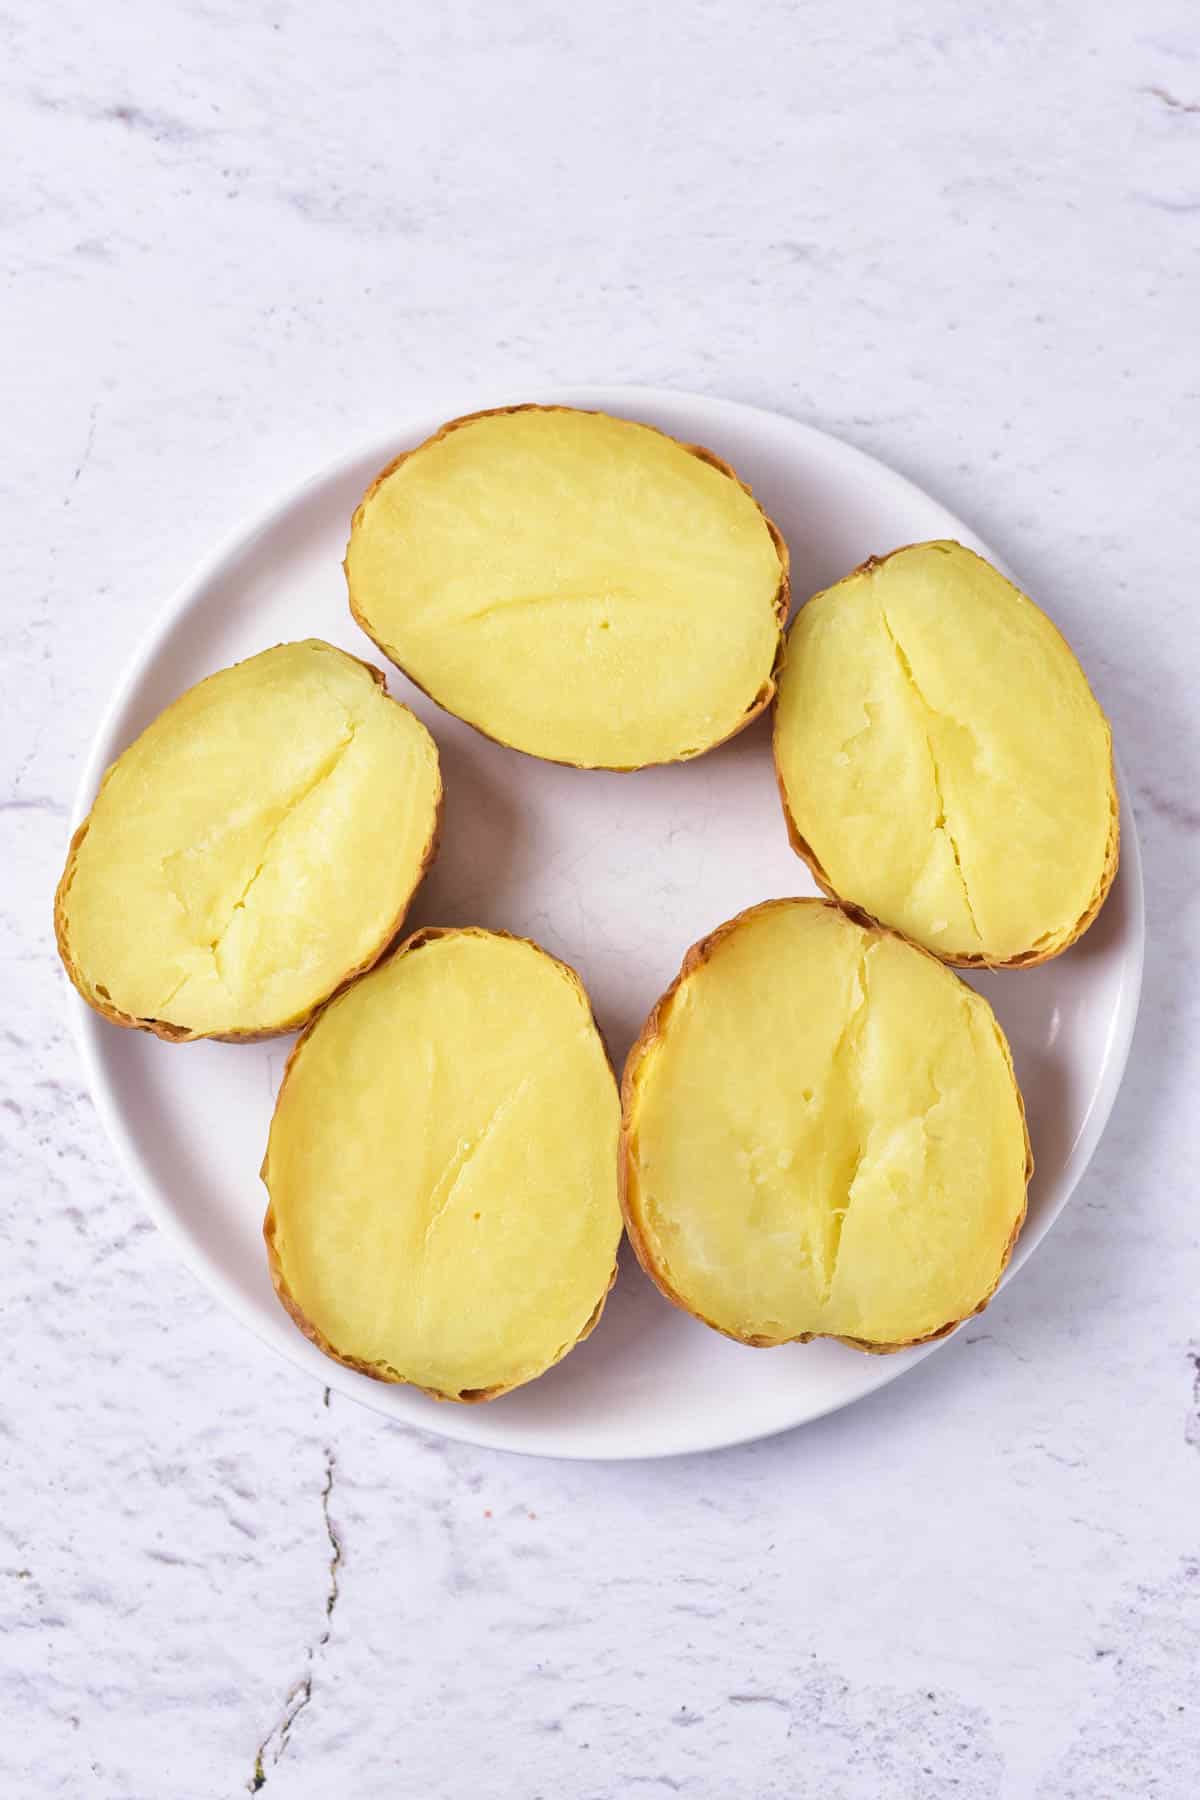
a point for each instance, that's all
(944, 758)
(442, 1167)
(576, 586)
(256, 845)
(826, 1135)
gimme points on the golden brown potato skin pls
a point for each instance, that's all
(384, 1372)
(695, 958)
(1028, 959)
(176, 1034)
(783, 598)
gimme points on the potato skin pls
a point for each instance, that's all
(177, 1034)
(783, 598)
(384, 1371)
(695, 958)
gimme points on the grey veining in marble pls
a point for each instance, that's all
(233, 240)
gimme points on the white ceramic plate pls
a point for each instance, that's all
(616, 873)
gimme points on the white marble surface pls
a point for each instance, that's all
(235, 238)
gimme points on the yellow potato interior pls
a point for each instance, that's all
(442, 1167)
(257, 844)
(944, 759)
(577, 586)
(824, 1135)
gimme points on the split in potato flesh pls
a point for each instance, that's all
(257, 845)
(943, 762)
(442, 1168)
(576, 586)
(823, 1135)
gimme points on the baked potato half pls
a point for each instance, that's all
(822, 1135)
(579, 587)
(944, 765)
(442, 1168)
(254, 849)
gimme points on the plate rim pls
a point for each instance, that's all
(86, 1027)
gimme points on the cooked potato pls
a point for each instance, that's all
(822, 1135)
(576, 586)
(944, 766)
(442, 1168)
(252, 850)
